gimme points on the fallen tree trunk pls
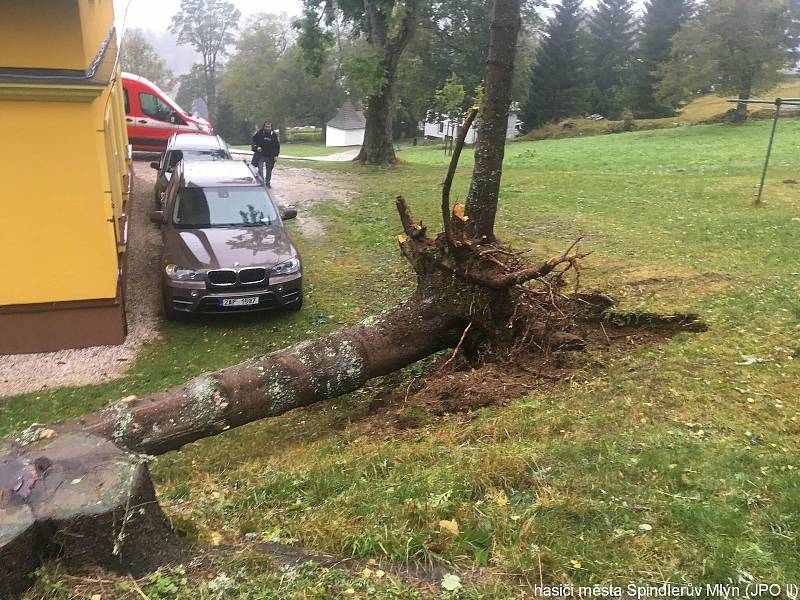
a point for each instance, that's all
(269, 385)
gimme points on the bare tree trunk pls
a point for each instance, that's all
(741, 107)
(283, 133)
(210, 73)
(377, 148)
(89, 519)
(481, 205)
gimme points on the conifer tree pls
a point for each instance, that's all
(660, 23)
(558, 79)
(612, 30)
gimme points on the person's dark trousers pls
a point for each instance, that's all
(265, 166)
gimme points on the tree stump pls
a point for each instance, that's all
(79, 497)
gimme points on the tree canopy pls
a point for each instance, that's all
(207, 26)
(139, 57)
(731, 47)
(264, 78)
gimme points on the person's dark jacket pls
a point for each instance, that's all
(268, 142)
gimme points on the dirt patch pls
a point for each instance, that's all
(24, 373)
(303, 188)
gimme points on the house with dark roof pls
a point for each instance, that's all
(346, 128)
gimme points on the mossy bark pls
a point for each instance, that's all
(481, 205)
(377, 148)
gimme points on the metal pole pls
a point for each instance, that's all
(778, 102)
(784, 101)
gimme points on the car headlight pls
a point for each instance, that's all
(288, 267)
(177, 273)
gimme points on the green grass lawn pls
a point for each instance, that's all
(303, 150)
(677, 462)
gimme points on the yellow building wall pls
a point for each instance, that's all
(112, 151)
(43, 34)
(97, 17)
(57, 240)
(117, 147)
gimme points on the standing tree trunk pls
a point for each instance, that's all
(481, 205)
(211, 93)
(377, 148)
(741, 107)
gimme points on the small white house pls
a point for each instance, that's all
(346, 128)
(445, 128)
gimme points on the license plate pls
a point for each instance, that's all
(238, 301)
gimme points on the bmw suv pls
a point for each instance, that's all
(225, 246)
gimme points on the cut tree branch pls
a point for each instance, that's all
(451, 172)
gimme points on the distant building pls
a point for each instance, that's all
(66, 177)
(346, 128)
(442, 127)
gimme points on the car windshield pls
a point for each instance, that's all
(223, 207)
(175, 156)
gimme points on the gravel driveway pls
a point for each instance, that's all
(23, 373)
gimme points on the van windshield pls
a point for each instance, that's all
(223, 207)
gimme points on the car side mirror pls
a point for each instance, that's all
(157, 216)
(154, 165)
(289, 213)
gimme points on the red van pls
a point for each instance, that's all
(152, 116)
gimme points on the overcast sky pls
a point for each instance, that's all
(154, 17)
(156, 14)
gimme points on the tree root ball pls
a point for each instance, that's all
(78, 497)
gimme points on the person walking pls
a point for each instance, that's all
(266, 148)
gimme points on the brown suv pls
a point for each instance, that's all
(225, 247)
